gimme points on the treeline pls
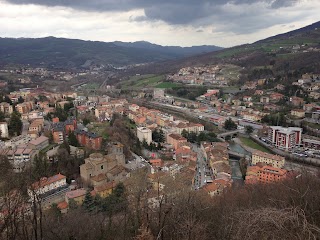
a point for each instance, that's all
(286, 210)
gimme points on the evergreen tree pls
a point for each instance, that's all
(184, 133)
(72, 204)
(88, 202)
(66, 146)
(161, 136)
(86, 121)
(15, 125)
(249, 129)
(230, 125)
(20, 100)
(72, 139)
(2, 117)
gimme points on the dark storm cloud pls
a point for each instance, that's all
(181, 12)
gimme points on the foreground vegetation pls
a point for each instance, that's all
(287, 210)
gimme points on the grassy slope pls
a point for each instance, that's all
(250, 143)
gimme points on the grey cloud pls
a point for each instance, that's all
(177, 12)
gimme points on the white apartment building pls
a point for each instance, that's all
(4, 133)
(144, 133)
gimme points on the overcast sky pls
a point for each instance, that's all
(167, 22)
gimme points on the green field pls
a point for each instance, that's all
(168, 85)
(91, 86)
(149, 80)
(250, 143)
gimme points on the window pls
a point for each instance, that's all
(101, 167)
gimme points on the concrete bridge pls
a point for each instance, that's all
(230, 134)
(236, 154)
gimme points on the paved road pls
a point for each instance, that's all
(136, 163)
(202, 171)
(25, 127)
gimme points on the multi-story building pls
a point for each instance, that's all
(4, 133)
(144, 134)
(285, 138)
(61, 129)
(267, 158)
(265, 174)
(6, 108)
(176, 140)
(47, 185)
(39, 143)
(89, 139)
(25, 107)
(20, 158)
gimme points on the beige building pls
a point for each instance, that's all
(270, 159)
(6, 108)
(299, 113)
(144, 133)
(99, 169)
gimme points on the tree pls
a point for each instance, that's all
(88, 202)
(7, 100)
(184, 133)
(249, 129)
(158, 136)
(15, 124)
(86, 121)
(201, 137)
(66, 146)
(230, 125)
(72, 139)
(2, 116)
(20, 100)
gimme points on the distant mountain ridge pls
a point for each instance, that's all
(183, 51)
(74, 53)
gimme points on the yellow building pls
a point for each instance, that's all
(270, 159)
(104, 190)
(77, 195)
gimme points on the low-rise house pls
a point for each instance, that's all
(309, 107)
(77, 196)
(247, 98)
(103, 190)
(216, 187)
(264, 99)
(156, 162)
(259, 92)
(296, 101)
(276, 97)
(298, 113)
(39, 143)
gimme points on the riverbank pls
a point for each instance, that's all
(249, 145)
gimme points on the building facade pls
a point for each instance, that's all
(267, 158)
(285, 138)
(144, 133)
